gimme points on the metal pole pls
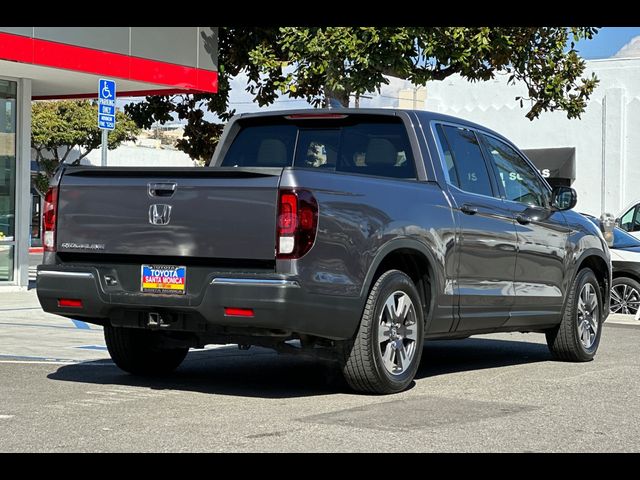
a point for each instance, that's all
(104, 148)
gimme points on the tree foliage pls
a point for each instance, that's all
(318, 63)
(60, 128)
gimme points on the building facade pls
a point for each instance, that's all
(598, 154)
(67, 62)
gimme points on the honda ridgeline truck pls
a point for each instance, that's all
(358, 234)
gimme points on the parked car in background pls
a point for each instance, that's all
(625, 257)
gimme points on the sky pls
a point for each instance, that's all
(607, 42)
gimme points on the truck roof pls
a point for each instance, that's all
(424, 115)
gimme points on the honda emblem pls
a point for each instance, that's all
(159, 214)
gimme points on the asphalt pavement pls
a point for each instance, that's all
(60, 392)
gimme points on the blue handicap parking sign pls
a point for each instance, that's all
(106, 104)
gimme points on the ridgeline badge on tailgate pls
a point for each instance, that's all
(83, 246)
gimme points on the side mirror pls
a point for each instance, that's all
(564, 198)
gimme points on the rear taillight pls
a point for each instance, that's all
(49, 217)
(297, 223)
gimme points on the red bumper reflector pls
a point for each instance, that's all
(69, 302)
(238, 312)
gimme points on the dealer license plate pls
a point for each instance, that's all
(167, 279)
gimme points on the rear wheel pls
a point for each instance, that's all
(385, 354)
(625, 296)
(577, 337)
(138, 351)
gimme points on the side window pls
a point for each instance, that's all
(636, 221)
(626, 222)
(630, 221)
(469, 165)
(450, 167)
(520, 182)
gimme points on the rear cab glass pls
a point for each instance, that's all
(362, 144)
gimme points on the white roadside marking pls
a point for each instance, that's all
(3, 417)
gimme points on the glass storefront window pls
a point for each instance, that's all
(8, 97)
(6, 262)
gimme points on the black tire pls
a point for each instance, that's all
(136, 351)
(564, 340)
(629, 282)
(363, 366)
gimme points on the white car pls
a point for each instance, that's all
(625, 257)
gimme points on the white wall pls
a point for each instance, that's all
(609, 128)
(127, 155)
(135, 156)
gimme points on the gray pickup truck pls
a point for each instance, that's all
(349, 234)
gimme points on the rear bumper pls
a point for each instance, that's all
(278, 303)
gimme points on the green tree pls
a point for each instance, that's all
(319, 63)
(60, 127)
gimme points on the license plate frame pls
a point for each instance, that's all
(163, 279)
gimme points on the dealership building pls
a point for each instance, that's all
(67, 62)
(598, 154)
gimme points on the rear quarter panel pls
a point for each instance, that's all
(363, 218)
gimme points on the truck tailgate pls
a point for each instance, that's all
(196, 212)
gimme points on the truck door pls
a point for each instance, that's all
(486, 233)
(542, 237)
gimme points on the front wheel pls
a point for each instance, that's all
(385, 354)
(137, 351)
(577, 337)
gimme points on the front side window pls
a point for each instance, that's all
(518, 179)
(466, 166)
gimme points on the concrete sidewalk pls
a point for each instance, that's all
(27, 333)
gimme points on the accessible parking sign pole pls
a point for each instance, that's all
(104, 148)
(106, 112)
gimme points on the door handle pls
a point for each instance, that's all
(523, 219)
(468, 209)
(162, 189)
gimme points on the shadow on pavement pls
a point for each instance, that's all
(449, 356)
(265, 374)
(258, 372)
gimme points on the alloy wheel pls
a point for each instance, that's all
(624, 299)
(588, 315)
(397, 336)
